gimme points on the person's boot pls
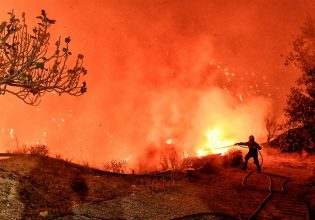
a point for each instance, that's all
(258, 169)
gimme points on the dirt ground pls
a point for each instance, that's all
(33, 187)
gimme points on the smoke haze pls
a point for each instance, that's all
(159, 71)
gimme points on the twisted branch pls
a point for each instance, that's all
(28, 68)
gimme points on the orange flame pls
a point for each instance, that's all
(216, 143)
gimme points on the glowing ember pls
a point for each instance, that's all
(241, 98)
(216, 143)
(169, 141)
(11, 133)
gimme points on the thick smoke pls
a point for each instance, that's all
(159, 71)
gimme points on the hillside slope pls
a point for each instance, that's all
(33, 187)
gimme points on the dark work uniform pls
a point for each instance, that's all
(252, 146)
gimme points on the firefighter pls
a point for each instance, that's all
(253, 148)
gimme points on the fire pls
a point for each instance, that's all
(169, 141)
(201, 153)
(216, 143)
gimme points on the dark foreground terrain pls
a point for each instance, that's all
(33, 187)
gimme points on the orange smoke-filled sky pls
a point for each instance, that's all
(156, 69)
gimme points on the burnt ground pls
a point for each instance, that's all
(33, 187)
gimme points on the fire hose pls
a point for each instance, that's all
(260, 206)
(269, 190)
(253, 215)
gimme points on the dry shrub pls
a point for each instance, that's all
(116, 166)
(160, 157)
(234, 158)
(187, 162)
(60, 157)
(206, 164)
(20, 150)
(295, 140)
(170, 159)
(213, 163)
(37, 149)
(85, 163)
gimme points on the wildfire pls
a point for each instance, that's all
(216, 140)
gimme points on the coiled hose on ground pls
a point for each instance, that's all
(270, 190)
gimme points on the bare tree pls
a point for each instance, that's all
(272, 127)
(29, 68)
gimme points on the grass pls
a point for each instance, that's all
(55, 186)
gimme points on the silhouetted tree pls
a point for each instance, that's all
(301, 101)
(29, 68)
(300, 109)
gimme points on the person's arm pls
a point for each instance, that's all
(258, 146)
(242, 143)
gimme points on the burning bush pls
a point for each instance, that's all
(170, 158)
(211, 163)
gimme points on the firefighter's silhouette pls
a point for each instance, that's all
(253, 148)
